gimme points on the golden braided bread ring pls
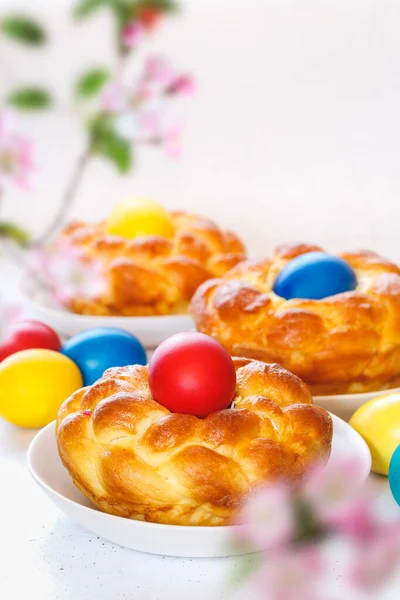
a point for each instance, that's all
(151, 275)
(132, 457)
(346, 343)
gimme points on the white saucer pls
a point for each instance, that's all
(171, 540)
(345, 405)
(151, 331)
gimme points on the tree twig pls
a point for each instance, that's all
(78, 172)
(68, 197)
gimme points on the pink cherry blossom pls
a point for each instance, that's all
(141, 94)
(114, 98)
(159, 75)
(183, 84)
(132, 34)
(141, 110)
(70, 275)
(16, 152)
(339, 506)
(158, 69)
(376, 558)
(172, 141)
(290, 574)
(141, 125)
(330, 488)
(149, 123)
(267, 518)
(126, 125)
(355, 519)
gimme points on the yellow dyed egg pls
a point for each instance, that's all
(135, 217)
(378, 422)
(34, 384)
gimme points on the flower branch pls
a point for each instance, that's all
(126, 117)
(293, 526)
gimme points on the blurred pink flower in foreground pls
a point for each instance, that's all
(132, 34)
(16, 152)
(377, 558)
(293, 526)
(328, 488)
(141, 112)
(68, 275)
(290, 574)
(268, 517)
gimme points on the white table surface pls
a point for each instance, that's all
(45, 555)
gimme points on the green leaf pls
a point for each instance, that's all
(91, 82)
(308, 526)
(23, 29)
(118, 150)
(109, 144)
(161, 5)
(12, 231)
(30, 98)
(84, 8)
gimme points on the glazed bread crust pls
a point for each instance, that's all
(346, 343)
(134, 458)
(151, 275)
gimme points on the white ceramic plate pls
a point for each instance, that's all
(172, 540)
(151, 331)
(345, 405)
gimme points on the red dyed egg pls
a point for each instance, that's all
(192, 373)
(27, 334)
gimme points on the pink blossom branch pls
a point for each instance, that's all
(80, 168)
(158, 77)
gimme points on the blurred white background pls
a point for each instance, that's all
(294, 133)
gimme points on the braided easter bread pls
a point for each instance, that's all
(345, 343)
(151, 275)
(132, 457)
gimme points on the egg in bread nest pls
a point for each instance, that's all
(348, 342)
(148, 274)
(134, 458)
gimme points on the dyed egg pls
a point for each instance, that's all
(394, 475)
(192, 373)
(315, 275)
(28, 334)
(378, 422)
(140, 216)
(34, 384)
(96, 350)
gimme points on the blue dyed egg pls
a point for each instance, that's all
(315, 275)
(96, 350)
(394, 475)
